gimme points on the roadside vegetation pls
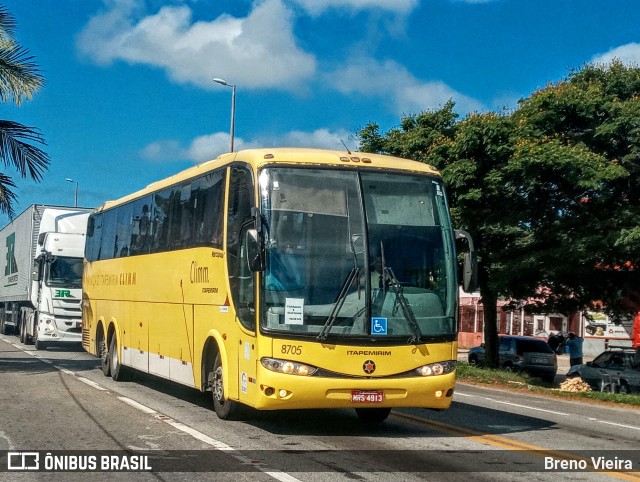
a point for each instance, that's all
(521, 381)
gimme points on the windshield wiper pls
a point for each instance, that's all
(354, 275)
(389, 279)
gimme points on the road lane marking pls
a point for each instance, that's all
(554, 412)
(65, 370)
(91, 383)
(139, 406)
(528, 407)
(507, 443)
(280, 476)
(618, 424)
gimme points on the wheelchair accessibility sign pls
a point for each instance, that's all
(378, 326)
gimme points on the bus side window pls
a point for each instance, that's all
(108, 241)
(239, 207)
(94, 238)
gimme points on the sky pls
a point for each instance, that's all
(129, 96)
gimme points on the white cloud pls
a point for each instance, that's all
(369, 77)
(258, 51)
(320, 138)
(210, 146)
(628, 54)
(316, 7)
(204, 148)
(163, 151)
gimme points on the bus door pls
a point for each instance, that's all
(246, 317)
(242, 283)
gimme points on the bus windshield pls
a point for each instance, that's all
(357, 254)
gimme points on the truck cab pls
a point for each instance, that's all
(56, 293)
(41, 256)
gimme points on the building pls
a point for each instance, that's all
(599, 332)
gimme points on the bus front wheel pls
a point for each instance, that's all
(225, 408)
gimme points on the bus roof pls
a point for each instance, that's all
(287, 156)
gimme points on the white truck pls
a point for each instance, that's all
(41, 255)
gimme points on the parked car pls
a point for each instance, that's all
(614, 370)
(521, 353)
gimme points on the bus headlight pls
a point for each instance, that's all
(288, 367)
(440, 368)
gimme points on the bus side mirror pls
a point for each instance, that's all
(470, 264)
(255, 255)
(470, 273)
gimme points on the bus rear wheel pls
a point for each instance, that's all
(103, 353)
(373, 415)
(118, 372)
(224, 408)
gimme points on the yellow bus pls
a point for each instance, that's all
(281, 279)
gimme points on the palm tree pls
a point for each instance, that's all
(20, 78)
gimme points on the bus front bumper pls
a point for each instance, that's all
(279, 391)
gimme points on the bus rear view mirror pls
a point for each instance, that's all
(255, 257)
(470, 263)
(470, 273)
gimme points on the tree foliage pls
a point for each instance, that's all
(20, 78)
(549, 192)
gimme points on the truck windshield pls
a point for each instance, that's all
(357, 254)
(65, 272)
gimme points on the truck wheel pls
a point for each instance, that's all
(4, 328)
(40, 345)
(23, 334)
(225, 409)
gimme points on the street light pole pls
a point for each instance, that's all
(233, 109)
(76, 182)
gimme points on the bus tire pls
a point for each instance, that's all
(373, 415)
(118, 372)
(225, 409)
(103, 353)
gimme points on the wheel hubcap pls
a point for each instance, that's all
(218, 392)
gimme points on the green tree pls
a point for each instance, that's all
(20, 78)
(471, 154)
(547, 192)
(595, 110)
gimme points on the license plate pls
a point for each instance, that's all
(367, 396)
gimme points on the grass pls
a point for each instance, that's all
(521, 381)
